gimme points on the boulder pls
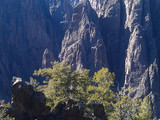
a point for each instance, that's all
(26, 103)
(69, 110)
(99, 111)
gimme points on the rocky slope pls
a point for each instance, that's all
(123, 35)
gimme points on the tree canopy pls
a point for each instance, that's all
(61, 83)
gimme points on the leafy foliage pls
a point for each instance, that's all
(64, 83)
(34, 83)
(99, 91)
(127, 108)
(3, 112)
(145, 111)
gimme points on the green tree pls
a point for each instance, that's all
(63, 83)
(34, 83)
(145, 110)
(125, 109)
(4, 112)
(99, 92)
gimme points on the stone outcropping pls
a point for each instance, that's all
(83, 46)
(69, 110)
(26, 103)
(47, 58)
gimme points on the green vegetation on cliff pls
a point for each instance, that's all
(4, 112)
(65, 88)
(62, 83)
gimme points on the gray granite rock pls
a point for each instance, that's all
(141, 67)
(27, 28)
(123, 35)
(130, 30)
(47, 58)
(83, 45)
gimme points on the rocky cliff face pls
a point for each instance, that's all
(27, 28)
(83, 46)
(123, 35)
(141, 65)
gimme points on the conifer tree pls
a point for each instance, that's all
(145, 111)
(34, 83)
(64, 83)
(99, 92)
(125, 108)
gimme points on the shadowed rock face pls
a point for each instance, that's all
(141, 62)
(61, 14)
(123, 35)
(130, 32)
(27, 28)
(109, 13)
(26, 103)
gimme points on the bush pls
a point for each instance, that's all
(4, 115)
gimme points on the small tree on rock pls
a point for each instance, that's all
(64, 83)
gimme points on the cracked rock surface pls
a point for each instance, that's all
(123, 35)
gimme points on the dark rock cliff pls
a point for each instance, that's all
(123, 35)
(83, 46)
(26, 104)
(141, 62)
(27, 28)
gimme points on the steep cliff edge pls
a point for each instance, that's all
(83, 46)
(141, 62)
(24, 36)
(123, 35)
(130, 32)
(27, 28)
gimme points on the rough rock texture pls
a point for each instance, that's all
(105, 8)
(47, 58)
(130, 32)
(141, 67)
(109, 12)
(26, 103)
(74, 2)
(61, 13)
(27, 28)
(83, 46)
(123, 35)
